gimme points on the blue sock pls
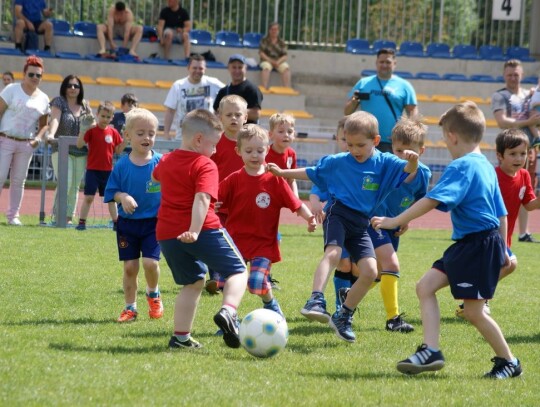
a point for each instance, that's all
(341, 280)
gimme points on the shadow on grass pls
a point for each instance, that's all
(534, 338)
(377, 376)
(121, 349)
(48, 321)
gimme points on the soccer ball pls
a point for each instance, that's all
(263, 333)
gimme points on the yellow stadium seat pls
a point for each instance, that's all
(140, 83)
(476, 99)
(108, 81)
(164, 84)
(420, 97)
(491, 123)
(488, 100)
(94, 103)
(87, 80)
(263, 90)
(52, 77)
(486, 146)
(299, 114)
(430, 120)
(153, 107)
(282, 90)
(428, 143)
(444, 98)
(268, 112)
(18, 75)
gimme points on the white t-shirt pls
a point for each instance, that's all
(535, 99)
(185, 96)
(23, 111)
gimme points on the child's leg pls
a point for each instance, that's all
(368, 273)
(153, 297)
(328, 263)
(342, 278)
(389, 264)
(151, 272)
(85, 208)
(185, 307)
(234, 289)
(130, 283)
(258, 284)
(426, 289)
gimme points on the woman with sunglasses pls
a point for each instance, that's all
(70, 114)
(24, 113)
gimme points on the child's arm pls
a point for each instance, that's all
(503, 230)
(297, 173)
(420, 208)
(294, 187)
(128, 203)
(532, 204)
(305, 213)
(120, 147)
(317, 207)
(199, 210)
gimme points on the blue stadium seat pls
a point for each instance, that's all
(228, 39)
(94, 57)
(482, 78)
(61, 27)
(39, 53)
(69, 55)
(358, 46)
(215, 64)
(455, 77)
(433, 76)
(404, 74)
(156, 61)
(463, 51)
(411, 49)
(530, 80)
(491, 52)
(201, 37)
(85, 29)
(520, 53)
(369, 72)
(438, 50)
(10, 51)
(252, 40)
(378, 44)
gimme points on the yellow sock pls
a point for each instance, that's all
(389, 292)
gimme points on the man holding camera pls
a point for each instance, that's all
(384, 95)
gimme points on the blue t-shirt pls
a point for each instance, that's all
(359, 186)
(135, 180)
(32, 9)
(400, 93)
(468, 188)
(118, 121)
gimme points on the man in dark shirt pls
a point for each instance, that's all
(174, 24)
(242, 87)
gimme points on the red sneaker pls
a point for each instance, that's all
(127, 315)
(155, 307)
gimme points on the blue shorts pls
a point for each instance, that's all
(382, 236)
(96, 180)
(473, 265)
(136, 236)
(189, 262)
(259, 268)
(347, 228)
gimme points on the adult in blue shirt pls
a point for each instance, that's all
(384, 95)
(29, 18)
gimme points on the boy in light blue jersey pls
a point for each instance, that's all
(357, 182)
(468, 188)
(138, 199)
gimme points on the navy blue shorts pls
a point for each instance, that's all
(347, 228)
(96, 180)
(214, 249)
(136, 236)
(473, 265)
(382, 236)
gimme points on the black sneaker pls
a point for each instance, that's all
(274, 283)
(229, 325)
(527, 238)
(342, 295)
(503, 369)
(398, 324)
(423, 360)
(190, 343)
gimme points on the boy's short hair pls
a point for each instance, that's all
(362, 123)
(140, 114)
(130, 99)
(195, 57)
(10, 74)
(512, 63)
(233, 100)
(341, 123)
(200, 121)
(388, 51)
(250, 131)
(107, 106)
(465, 120)
(510, 138)
(279, 118)
(409, 131)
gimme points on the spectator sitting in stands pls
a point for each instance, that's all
(173, 24)
(273, 53)
(119, 24)
(29, 18)
(7, 78)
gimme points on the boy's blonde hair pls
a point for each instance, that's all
(250, 131)
(200, 121)
(341, 124)
(107, 106)
(409, 131)
(510, 138)
(138, 113)
(362, 123)
(233, 100)
(279, 118)
(465, 120)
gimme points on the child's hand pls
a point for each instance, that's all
(217, 206)
(317, 210)
(402, 230)
(410, 156)
(274, 169)
(188, 237)
(383, 223)
(312, 224)
(128, 204)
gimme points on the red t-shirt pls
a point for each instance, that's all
(285, 161)
(515, 191)
(254, 204)
(226, 158)
(182, 174)
(101, 144)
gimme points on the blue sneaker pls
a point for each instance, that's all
(341, 323)
(424, 360)
(273, 306)
(315, 309)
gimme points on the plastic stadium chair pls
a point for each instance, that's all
(39, 53)
(444, 98)
(463, 51)
(228, 39)
(263, 90)
(109, 81)
(10, 51)
(69, 55)
(282, 90)
(252, 40)
(140, 83)
(156, 61)
(491, 52)
(85, 29)
(378, 44)
(411, 49)
(404, 74)
(438, 50)
(520, 53)
(200, 37)
(433, 76)
(299, 114)
(368, 72)
(153, 107)
(455, 77)
(164, 84)
(61, 27)
(358, 46)
(87, 80)
(482, 78)
(422, 97)
(476, 99)
(52, 77)
(268, 112)
(531, 80)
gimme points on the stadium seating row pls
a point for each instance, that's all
(433, 76)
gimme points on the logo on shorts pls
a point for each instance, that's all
(263, 200)
(108, 139)
(369, 184)
(464, 285)
(123, 243)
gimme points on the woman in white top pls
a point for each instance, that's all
(24, 112)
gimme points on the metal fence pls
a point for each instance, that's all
(326, 24)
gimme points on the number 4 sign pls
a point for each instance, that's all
(506, 10)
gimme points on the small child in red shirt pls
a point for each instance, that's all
(281, 153)
(103, 142)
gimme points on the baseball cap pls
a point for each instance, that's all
(237, 57)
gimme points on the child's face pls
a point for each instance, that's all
(341, 141)
(399, 147)
(253, 153)
(141, 135)
(282, 135)
(7, 80)
(104, 117)
(126, 107)
(205, 144)
(513, 159)
(233, 117)
(360, 146)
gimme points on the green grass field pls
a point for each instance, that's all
(61, 292)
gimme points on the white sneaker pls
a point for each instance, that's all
(15, 222)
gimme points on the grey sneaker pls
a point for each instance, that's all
(229, 325)
(423, 360)
(528, 238)
(341, 323)
(274, 306)
(190, 343)
(503, 369)
(315, 310)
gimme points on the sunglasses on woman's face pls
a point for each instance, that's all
(32, 74)
(73, 86)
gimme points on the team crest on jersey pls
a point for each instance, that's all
(108, 139)
(289, 162)
(406, 202)
(369, 184)
(263, 200)
(153, 187)
(522, 193)
(123, 243)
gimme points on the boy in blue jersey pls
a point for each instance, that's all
(357, 182)
(471, 266)
(138, 198)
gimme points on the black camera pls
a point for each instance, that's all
(361, 95)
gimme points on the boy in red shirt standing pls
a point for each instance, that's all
(190, 233)
(103, 142)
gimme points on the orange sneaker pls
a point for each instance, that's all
(155, 307)
(127, 315)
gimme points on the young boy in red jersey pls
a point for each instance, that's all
(254, 199)
(190, 233)
(103, 142)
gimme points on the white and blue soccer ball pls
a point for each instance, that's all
(263, 333)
